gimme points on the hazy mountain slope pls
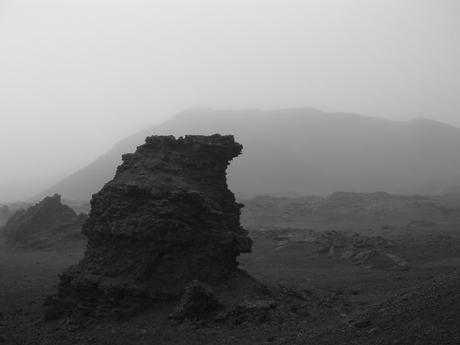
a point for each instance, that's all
(304, 151)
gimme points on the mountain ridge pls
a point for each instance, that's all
(303, 150)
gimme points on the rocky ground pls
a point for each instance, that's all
(359, 212)
(315, 295)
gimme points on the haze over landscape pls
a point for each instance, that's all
(79, 77)
(305, 151)
(212, 172)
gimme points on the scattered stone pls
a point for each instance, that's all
(360, 258)
(258, 311)
(348, 254)
(365, 251)
(400, 264)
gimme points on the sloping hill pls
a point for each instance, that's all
(305, 151)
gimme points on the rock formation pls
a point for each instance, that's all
(43, 224)
(166, 219)
(5, 213)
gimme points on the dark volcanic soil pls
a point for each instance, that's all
(318, 299)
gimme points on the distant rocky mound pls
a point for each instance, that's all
(166, 219)
(42, 225)
(5, 213)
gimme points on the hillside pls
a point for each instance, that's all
(305, 151)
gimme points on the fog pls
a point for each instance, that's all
(77, 76)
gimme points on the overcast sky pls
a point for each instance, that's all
(77, 76)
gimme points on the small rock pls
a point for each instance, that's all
(197, 302)
(363, 324)
(254, 311)
(400, 263)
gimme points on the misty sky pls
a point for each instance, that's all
(77, 76)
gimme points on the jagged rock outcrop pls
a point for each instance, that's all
(43, 225)
(166, 219)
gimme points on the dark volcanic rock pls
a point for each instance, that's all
(43, 224)
(5, 213)
(166, 219)
(197, 302)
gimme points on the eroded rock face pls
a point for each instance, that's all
(166, 219)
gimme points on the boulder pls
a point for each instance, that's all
(197, 303)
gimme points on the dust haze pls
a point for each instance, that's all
(78, 76)
(229, 172)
